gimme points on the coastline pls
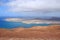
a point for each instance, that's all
(32, 21)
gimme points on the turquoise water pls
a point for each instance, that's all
(5, 24)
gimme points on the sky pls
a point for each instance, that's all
(33, 8)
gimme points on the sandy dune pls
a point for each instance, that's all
(42, 32)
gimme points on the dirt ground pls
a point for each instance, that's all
(34, 33)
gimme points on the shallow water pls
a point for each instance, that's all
(5, 24)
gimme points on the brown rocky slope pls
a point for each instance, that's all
(34, 32)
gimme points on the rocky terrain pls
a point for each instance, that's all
(35, 33)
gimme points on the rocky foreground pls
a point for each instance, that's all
(35, 33)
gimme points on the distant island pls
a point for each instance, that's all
(32, 21)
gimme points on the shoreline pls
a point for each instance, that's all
(32, 21)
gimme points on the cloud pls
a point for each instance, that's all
(33, 5)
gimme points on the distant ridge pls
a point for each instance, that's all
(49, 18)
(55, 18)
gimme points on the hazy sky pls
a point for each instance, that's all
(37, 8)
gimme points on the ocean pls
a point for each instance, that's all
(8, 25)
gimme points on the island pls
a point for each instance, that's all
(32, 21)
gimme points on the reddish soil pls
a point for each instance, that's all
(34, 32)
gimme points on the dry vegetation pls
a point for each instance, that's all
(34, 33)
